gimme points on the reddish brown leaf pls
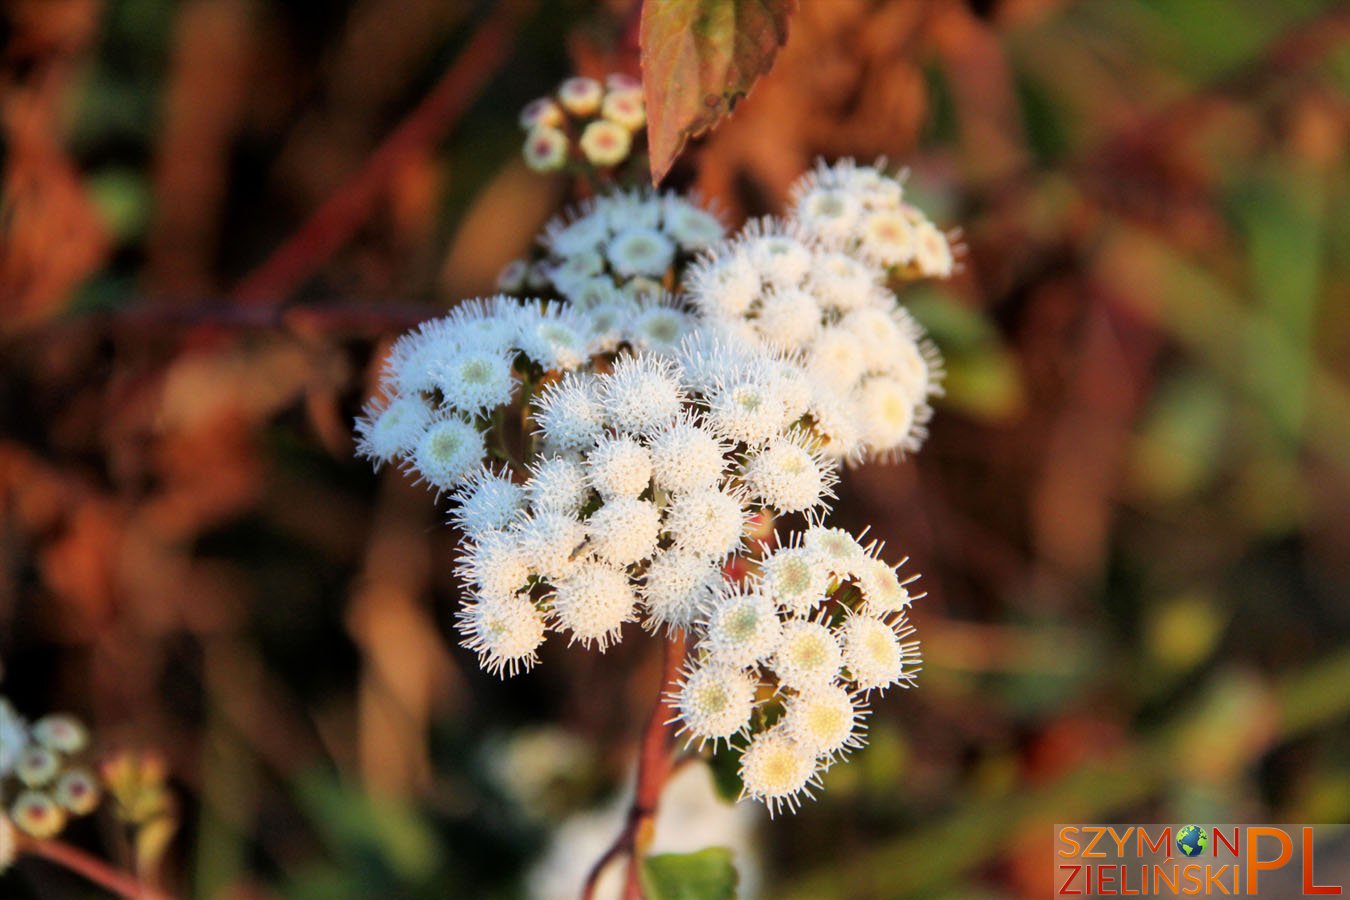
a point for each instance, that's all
(699, 58)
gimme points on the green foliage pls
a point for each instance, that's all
(706, 875)
(699, 58)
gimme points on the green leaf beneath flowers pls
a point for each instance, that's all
(725, 768)
(706, 875)
(699, 58)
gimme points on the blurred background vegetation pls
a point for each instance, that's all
(1130, 517)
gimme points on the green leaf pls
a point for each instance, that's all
(725, 768)
(705, 875)
(699, 58)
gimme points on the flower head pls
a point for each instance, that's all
(624, 530)
(777, 770)
(714, 703)
(505, 632)
(592, 603)
(447, 454)
(742, 627)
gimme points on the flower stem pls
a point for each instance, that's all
(655, 762)
(90, 867)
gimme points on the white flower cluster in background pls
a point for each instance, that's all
(611, 458)
(41, 784)
(871, 371)
(616, 250)
(584, 121)
(862, 210)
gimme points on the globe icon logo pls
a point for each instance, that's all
(1192, 840)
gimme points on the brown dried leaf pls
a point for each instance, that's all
(699, 58)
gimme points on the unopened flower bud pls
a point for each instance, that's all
(626, 108)
(545, 149)
(38, 815)
(38, 766)
(580, 96)
(606, 143)
(61, 732)
(78, 792)
(541, 112)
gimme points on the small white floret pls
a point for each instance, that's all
(592, 603)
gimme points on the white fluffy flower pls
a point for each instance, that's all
(642, 394)
(777, 770)
(486, 324)
(13, 738)
(497, 565)
(592, 603)
(557, 484)
(933, 252)
(789, 319)
(796, 579)
(829, 212)
(488, 500)
(888, 237)
(808, 655)
(691, 227)
(551, 541)
(889, 415)
(742, 627)
(474, 381)
(448, 453)
(748, 406)
(782, 255)
(788, 476)
(553, 337)
(390, 430)
(619, 467)
(413, 356)
(640, 251)
(677, 586)
(658, 327)
(505, 632)
(875, 653)
(836, 549)
(826, 720)
(687, 457)
(843, 283)
(624, 530)
(724, 285)
(708, 522)
(714, 703)
(835, 423)
(569, 413)
(834, 359)
(881, 587)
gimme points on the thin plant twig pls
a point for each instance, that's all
(656, 761)
(337, 219)
(91, 868)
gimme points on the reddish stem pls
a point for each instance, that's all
(656, 759)
(336, 220)
(91, 868)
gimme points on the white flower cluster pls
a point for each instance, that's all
(871, 371)
(643, 485)
(787, 659)
(601, 119)
(862, 210)
(38, 770)
(608, 459)
(617, 250)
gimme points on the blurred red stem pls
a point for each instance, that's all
(91, 868)
(338, 217)
(656, 760)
